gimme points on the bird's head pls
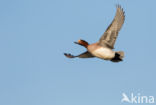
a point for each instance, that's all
(83, 43)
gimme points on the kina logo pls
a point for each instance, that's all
(137, 99)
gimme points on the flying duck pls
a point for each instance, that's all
(103, 49)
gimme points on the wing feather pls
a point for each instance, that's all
(83, 55)
(111, 33)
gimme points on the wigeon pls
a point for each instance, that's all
(104, 47)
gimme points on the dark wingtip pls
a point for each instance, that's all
(69, 55)
(118, 6)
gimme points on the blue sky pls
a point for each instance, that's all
(34, 34)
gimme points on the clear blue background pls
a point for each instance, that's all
(34, 34)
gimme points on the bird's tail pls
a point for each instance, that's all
(119, 55)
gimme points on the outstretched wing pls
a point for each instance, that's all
(83, 55)
(110, 35)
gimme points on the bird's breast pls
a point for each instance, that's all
(104, 53)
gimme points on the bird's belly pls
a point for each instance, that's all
(104, 53)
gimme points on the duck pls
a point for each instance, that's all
(104, 48)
